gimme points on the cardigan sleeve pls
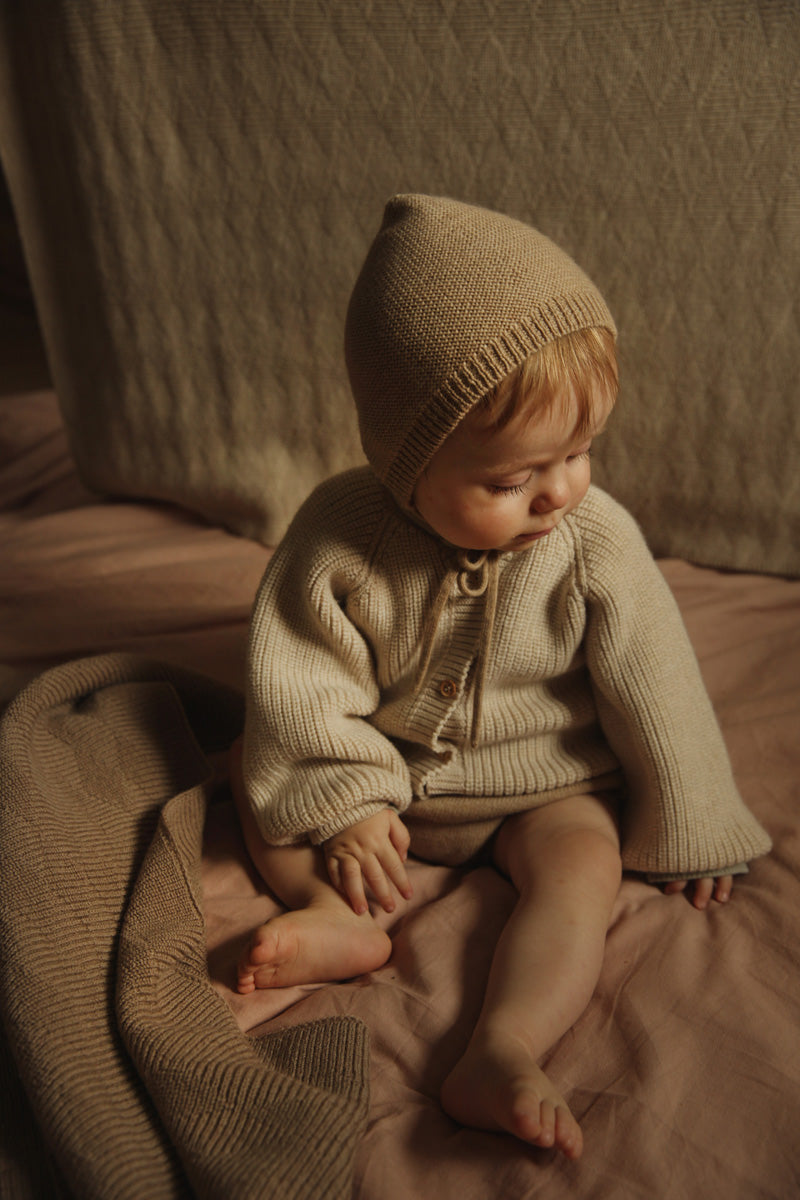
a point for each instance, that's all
(313, 763)
(684, 815)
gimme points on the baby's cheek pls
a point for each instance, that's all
(585, 480)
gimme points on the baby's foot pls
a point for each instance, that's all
(497, 1085)
(312, 945)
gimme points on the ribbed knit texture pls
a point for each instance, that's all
(590, 670)
(103, 801)
(451, 298)
(197, 185)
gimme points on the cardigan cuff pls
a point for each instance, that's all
(676, 876)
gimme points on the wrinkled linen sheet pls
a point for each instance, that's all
(684, 1070)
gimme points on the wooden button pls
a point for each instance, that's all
(448, 688)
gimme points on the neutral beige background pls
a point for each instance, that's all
(196, 187)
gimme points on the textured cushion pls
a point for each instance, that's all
(196, 186)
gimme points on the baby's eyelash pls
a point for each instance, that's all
(516, 489)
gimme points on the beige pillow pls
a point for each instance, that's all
(196, 186)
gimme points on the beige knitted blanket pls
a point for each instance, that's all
(123, 1073)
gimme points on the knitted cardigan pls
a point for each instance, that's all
(590, 670)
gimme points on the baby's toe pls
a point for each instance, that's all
(568, 1136)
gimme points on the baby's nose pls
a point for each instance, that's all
(552, 493)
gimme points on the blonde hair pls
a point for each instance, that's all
(580, 366)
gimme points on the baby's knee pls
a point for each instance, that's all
(597, 855)
(582, 854)
(572, 840)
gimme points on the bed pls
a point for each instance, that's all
(171, 387)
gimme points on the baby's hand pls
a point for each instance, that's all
(373, 852)
(704, 889)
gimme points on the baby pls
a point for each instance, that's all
(466, 650)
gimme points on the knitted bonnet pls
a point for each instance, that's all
(450, 300)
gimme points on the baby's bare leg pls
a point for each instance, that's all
(320, 938)
(564, 861)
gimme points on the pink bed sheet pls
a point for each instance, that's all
(81, 575)
(684, 1070)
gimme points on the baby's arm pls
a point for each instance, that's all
(372, 851)
(684, 810)
(314, 759)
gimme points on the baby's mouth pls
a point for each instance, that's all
(534, 536)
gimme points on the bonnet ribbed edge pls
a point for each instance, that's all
(451, 298)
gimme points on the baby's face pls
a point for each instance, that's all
(506, 489)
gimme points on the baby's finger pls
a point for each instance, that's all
(375, 876)
(399, 837)
(335, 874)
(703, 890)
(396, 871)
(674, 886)
(723, 888)
(351, 884)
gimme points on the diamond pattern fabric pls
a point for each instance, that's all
(196, 186)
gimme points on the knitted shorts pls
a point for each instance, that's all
(453, 830)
